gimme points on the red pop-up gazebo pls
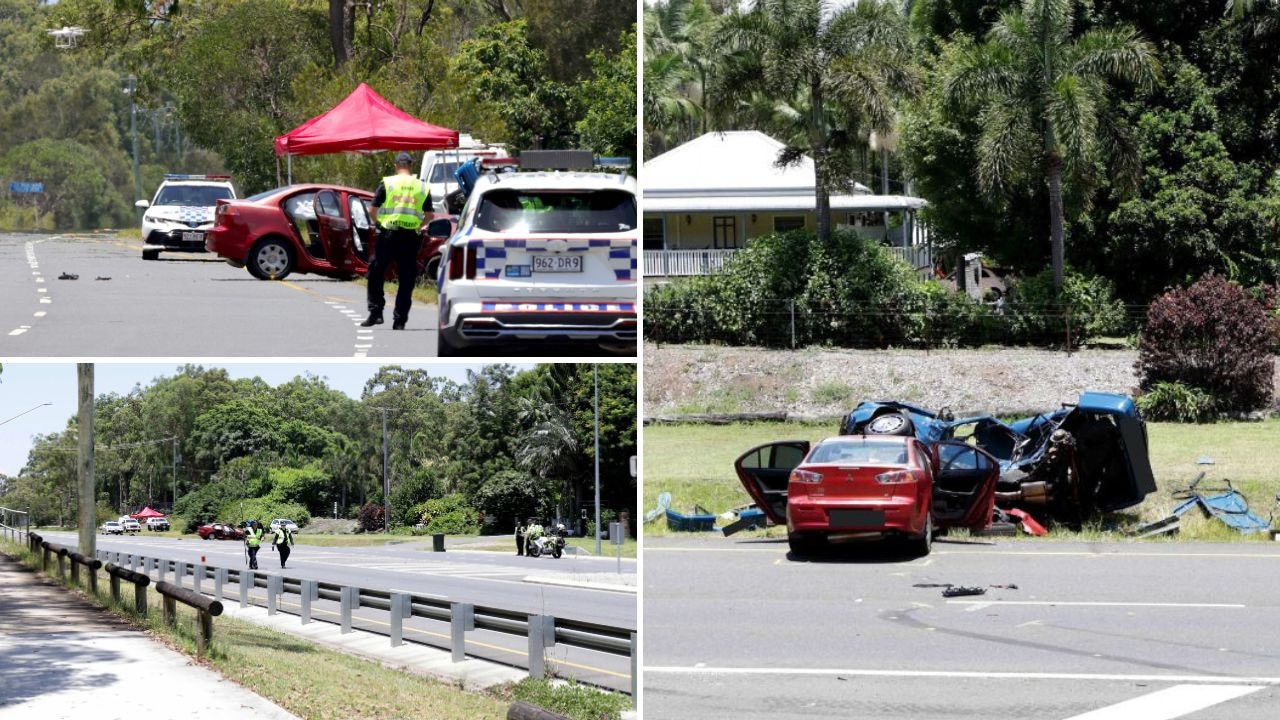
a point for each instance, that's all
(364, 121)
(145, 513)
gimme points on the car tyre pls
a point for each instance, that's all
(431, 273)
(891, 422)
(271, 259)
(804, 544)
(443, 347)
(150, 254)
(921, 545)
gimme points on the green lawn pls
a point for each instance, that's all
(695, 464)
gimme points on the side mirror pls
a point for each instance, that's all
(439, 228)
(142, 204)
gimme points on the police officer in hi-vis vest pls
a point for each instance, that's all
(253, 540)
(399, 208)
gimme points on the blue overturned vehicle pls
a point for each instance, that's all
(1068, 465)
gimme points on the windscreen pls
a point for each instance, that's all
(193, 195)
(859, 452)
(546, 211)
(442, 172)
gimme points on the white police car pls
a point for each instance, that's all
(181, 211)
(542, 256)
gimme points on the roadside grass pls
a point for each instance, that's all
(507, 544)
(323, 684)
(425, 293)
(694, 463)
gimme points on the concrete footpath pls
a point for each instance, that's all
(62, 657)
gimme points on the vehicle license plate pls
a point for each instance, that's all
(855, 518)
(557, 263)
(192, 237)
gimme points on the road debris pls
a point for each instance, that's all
(950, 590)
(68, 276)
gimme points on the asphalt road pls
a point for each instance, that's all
(1096, 631)
(193, 305)
(482, 578)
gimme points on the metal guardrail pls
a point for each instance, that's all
(542, 632)
(15, 524)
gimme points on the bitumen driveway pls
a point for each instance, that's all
(193, 305)
(1093, 631)
(62, 657)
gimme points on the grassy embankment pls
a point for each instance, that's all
(695, 464)
(324, 683)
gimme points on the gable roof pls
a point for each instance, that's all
(736, 162)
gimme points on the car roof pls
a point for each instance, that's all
(886, 439)
(557, 181)
(217, 183)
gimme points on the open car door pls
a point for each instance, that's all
(335, 231)
(964, 485)
(765, 470)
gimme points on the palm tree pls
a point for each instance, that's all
(832, 76)
(549, 447)
(1043, 101)
(680, 61)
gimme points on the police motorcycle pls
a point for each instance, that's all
(548, 543)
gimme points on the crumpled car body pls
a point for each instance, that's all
(1069, 464)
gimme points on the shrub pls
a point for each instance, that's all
(264, 509)
(1210, 336)
(504, 498)
(1175, 402)
(1038, 315)
(371, 518)
(451, 514)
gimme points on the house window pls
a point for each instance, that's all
(655, 233)
(725, 229)
(788, 222)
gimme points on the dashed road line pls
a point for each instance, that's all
(42, 293)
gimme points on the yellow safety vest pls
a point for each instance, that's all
(253, 537)
(406, 196)
(284, 537)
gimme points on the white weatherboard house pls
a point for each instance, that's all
(705, 199)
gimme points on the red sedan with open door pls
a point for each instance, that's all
(869, 485)
(321, 229)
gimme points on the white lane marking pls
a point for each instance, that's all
(962, 674)
(985, 603)
(1169, 703)
(42, 313)
(19, 331)
(45, 300)
(39, 278)
(42, 290)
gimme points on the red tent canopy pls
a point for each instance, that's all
(145, 513)
(364, 121)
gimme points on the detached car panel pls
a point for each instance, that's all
(1071, 463)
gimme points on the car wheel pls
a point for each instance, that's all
(150, 254)
(891, 422)
(443, 348)
(920, 546)
(271, 259)
(803, 544)
(431, 273)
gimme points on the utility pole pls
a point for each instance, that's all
(595, 379)
(131, 89)
(88, 506)
(386, 485)
(175, 474)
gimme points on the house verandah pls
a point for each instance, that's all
(706, 199)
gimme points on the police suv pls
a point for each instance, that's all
(181, 211)
(543, 256)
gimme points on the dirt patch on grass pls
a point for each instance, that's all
(330, 526)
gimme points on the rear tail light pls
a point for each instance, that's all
(895, 478)
(806, 476)
(455, 262)
(471, 262)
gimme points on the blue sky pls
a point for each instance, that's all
(24, 386)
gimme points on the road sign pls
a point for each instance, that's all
(26, 187)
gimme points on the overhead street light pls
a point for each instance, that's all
(24, 412)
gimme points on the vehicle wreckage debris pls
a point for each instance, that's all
(950, 590)
(68, 276)
(1226, 504)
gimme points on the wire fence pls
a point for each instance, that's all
(790, 323)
